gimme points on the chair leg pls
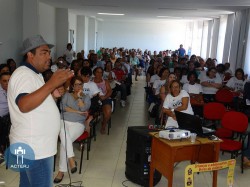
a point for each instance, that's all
(54, 169)
(80, 170)
(94, 129)
(241, 164)
(88, 147)
(109, 125)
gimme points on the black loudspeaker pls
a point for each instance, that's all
(138, 156)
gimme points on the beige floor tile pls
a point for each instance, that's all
(106, 166)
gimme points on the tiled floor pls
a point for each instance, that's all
(106, 166)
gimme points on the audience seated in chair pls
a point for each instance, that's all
(236, 85)
(177, 99)
(90, 88)
(121, 81)
(74, 112)
(195, 91)
(210, 84)
(104, 95)
(5, 122)
(163, 74)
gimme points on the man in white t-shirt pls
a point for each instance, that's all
(34, 115)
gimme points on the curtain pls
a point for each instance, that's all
(214, 37)
(204, 43)
(235, 41)
(228, 38)
(197, 36)
(221, 38)
(209, 37)
(242, 39)
(247, 42)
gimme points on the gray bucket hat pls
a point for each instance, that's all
(34, 42)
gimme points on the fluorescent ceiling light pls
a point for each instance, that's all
(111, 14)
(169, 17)
(168, 8)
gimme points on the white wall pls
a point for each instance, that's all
(47, 17)
(82, 34)
(11, 31)
(151, 36)
(30, 18)
(62, 30)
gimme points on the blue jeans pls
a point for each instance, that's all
(39, 175)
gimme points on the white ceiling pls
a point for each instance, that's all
(148, 10)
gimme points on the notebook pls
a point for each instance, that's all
(193, 124)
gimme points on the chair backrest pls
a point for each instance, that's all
(214, 111)
(214, 166)
(224, 96)
(235, 121)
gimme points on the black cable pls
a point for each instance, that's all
(124, 182)
(70, 182)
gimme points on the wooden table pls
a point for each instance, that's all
(164, 153)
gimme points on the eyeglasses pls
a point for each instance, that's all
(79, 84)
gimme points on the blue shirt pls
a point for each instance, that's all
(181, 52)
(134, 61)
(4, 108)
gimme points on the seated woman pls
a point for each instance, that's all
(163, 93)
(210, 84)
(165, 88)
(155, 77)
(74, 110)
(104, 95)
(195, 91)
(109, 75)
(163, 74)
(121, 81)
(178, 100)
(236, 84)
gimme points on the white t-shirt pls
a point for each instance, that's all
(153, 78)
(127, 66)
(40, 127)
(194, 89)
(184, 79)
(69, 55)
(171, 102)
(236, 84)
(90, 88)
(210, 90)
(157, 85)
(203, 74)
(106, 75)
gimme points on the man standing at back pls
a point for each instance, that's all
(181, 51)
(34, 115)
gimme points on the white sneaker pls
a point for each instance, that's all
(123, 103)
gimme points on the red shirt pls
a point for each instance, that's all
(119, 73)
